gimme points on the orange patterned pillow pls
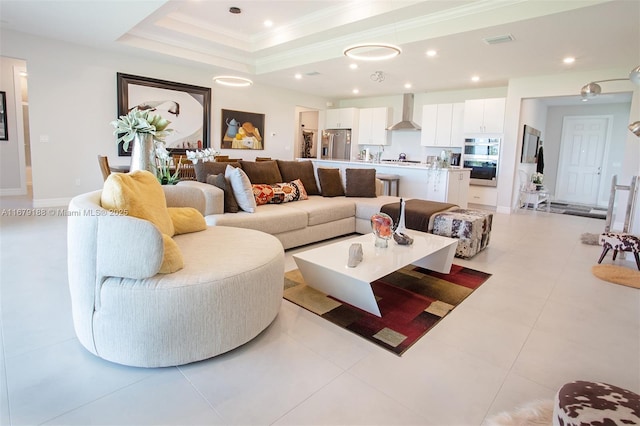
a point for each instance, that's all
(266, 194)
(279, 193)
(293, 191)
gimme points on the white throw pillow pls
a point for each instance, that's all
(241, 187)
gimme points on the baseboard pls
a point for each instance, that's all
(8, 192)
(51, 202)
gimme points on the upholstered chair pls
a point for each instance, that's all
(227, 290)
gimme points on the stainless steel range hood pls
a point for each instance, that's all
(407, 115)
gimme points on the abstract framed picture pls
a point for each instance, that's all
(4, 134)
(187, 107)
(242, 130)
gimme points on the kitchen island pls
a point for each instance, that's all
(417, 180)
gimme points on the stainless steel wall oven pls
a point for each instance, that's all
(482, 156)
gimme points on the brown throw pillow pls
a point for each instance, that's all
(210, 168)
(361, 183)
(262, 172)
(230, 203)
(303, 170)
(330, 182)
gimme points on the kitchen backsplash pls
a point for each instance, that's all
(407, 142)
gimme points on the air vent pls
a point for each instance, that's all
(499, 39)
(312, 73)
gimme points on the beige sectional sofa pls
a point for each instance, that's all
(293, 223)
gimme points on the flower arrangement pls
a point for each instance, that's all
(204, 155)
(164, 162)
(537, 178)
(136, 122)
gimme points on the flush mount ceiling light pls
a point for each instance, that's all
(592, 89)
(234, 81)
(372, 51)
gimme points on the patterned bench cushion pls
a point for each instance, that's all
(471, 227)
(620, 241)
(589, 403)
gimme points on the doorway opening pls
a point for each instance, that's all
(17, 182)
(306, 144)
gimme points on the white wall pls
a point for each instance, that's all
(72, 100)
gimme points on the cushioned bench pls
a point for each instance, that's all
(595, 403)
(471, 227)
(418, 214)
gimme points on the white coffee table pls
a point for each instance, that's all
(325, 268)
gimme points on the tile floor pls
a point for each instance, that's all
(541, 320)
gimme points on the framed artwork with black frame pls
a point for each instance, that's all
(187, 107)
(4, 133)
(242, 130)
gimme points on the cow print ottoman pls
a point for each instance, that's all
(587, 403)
(472, 228)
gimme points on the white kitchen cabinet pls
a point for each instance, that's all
(372, 126)
(340, 118)
(484, 195)
(448, 186)
(457, 125)
(442, 125)
(484, 115)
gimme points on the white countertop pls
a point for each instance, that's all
(399, 164)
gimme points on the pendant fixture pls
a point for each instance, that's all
(233, 81)
(372, 51)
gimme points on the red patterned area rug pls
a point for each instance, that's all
(412, 300)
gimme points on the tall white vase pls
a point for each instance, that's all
(143, 153)
(401, 228)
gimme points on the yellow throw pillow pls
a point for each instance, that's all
(140, 195)
(172, 260)
(186, 219)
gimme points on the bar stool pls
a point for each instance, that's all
(389, 180)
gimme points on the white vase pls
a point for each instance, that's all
(401, 227)
(143, 153)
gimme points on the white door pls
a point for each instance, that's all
(583, 146)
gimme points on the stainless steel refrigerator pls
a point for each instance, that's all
(336, 144)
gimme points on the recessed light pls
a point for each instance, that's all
(355, 91)
(353, 66)
(407, 85)
(431, 53)
(475, 78)
(569, 60)
(298, 76)
(234, 81)
(268, 23)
